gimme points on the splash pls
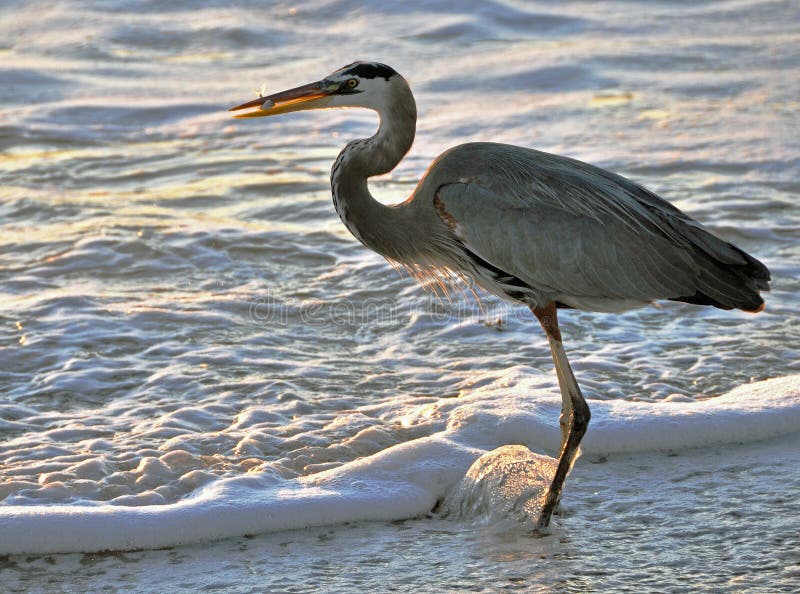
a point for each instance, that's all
(502, 487)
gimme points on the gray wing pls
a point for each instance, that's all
(587, 237)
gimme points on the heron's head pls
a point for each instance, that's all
(360, 84)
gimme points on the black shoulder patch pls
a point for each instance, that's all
(370, 70)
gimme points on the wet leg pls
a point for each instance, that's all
(575, 413)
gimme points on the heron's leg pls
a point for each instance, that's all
(574, 411)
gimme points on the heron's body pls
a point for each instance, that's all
(537, 228)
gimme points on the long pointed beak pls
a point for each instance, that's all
(310, 96)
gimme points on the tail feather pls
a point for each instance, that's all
(729, 278)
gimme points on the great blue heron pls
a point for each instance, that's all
(539, 229)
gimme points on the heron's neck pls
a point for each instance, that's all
(381, 228)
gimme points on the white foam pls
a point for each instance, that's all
(407, 479)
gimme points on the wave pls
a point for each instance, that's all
(408, 479)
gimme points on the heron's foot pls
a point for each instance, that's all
(551, 501)
(542, 527)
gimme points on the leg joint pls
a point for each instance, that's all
(580, 417)
(548, 318)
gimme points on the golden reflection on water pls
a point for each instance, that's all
(611, 99)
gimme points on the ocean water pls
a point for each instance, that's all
(204, 373)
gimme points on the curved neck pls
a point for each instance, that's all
(381, 228)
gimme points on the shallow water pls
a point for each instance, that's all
(181, 305)
(696, 521)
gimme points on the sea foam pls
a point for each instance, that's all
(408, 479)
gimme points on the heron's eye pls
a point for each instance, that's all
(352, 83)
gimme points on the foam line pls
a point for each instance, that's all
(402, 481)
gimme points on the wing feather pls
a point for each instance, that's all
(585, 236)
(569, 257)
